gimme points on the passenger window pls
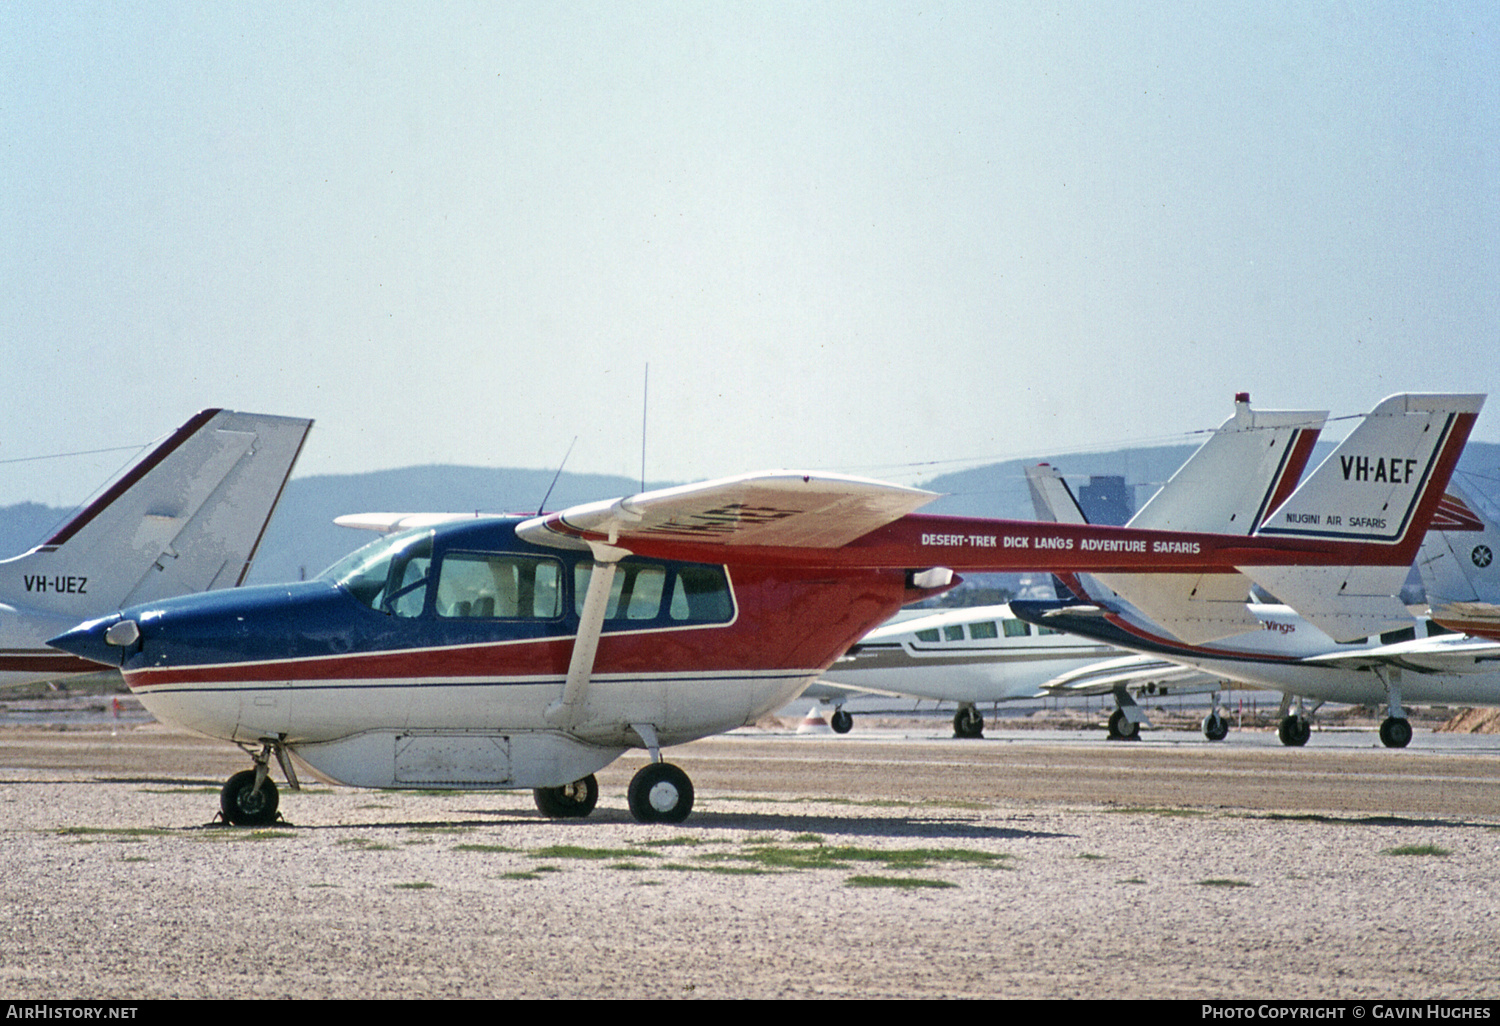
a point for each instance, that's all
(955, 633)
(698, 593)
(1017, 628)
(983, 630)
(930, 634)
(477, 585)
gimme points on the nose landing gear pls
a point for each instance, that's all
(250, 798)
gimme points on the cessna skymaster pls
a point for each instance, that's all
(970, 656)
(186, 518)
(529, 652)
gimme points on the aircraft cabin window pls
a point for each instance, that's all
(499, 585)
(954, 633)
(695, 593)
(983, 630)
(1017, 628)
(1404, 634)
(1434, 629)
(930, 634)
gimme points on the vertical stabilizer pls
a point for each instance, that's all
(1380, 488)
(186, 518)
(1245, 469)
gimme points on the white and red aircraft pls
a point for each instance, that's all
(529, 652)
(186, 518)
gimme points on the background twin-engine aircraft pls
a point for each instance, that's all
(528, 652)
(186, 518)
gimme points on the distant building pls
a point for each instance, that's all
(1106, 500)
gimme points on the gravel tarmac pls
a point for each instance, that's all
(887, 863)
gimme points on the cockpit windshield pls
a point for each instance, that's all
(389, 574)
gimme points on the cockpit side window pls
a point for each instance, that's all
(499, 585)
(388, 575)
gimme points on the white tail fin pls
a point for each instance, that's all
(186, 518)
(1247, 468)
(1381, 486)
(1051, 497)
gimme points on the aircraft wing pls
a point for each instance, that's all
(774, 508)
(1103, 677)
(1447, 653)
(392, 523)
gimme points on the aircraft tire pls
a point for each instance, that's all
(1395, 732)
(242, 808)
(1121, 729)
(841, 721)
(571, 801)
(1294, 731)
(968, 722)
(660, 793)
(1215, 727)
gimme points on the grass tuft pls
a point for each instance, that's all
(1418, 849)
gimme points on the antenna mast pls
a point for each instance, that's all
(645, 395)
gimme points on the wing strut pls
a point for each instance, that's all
(563, 713)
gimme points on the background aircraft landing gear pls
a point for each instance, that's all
(1122, 727)
(968, 722)
(571, 801)
(660, 793)
(1395, 732)
(245, 805)
(1215, 726)
(841, 721)
(1294, 730)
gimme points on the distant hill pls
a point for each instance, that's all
(303, 540)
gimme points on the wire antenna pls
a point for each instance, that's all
(557, 475)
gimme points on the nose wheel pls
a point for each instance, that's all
(250, 798)
(968, 722)
(244, 803)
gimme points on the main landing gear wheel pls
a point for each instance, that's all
(968, 722)
(1215, 727)
(1294, 731)
(571, 801)
(660, 793)
(242, 805)
(840, 721)
(1395, 732)
(1123, 729)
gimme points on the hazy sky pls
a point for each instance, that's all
(845, 236)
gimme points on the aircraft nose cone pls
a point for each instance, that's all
(98, 640)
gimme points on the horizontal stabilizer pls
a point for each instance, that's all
(1196, 608)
